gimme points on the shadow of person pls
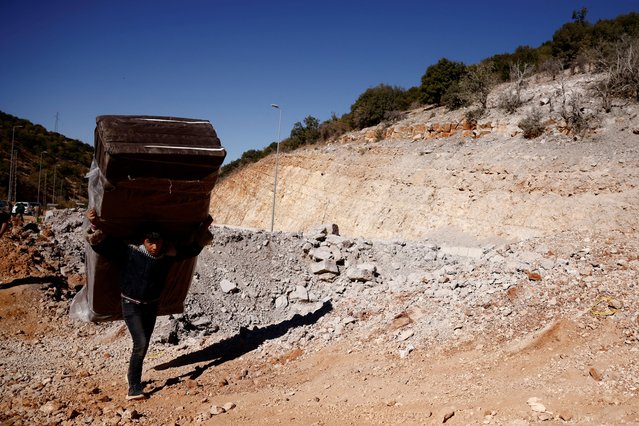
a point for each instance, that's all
(234, 347)
(56, 280)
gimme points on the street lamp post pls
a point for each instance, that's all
(277, 155)
(44, 193)
(11, 166)
(40, 174)
(15, 175)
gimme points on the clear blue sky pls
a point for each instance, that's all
(227, 61)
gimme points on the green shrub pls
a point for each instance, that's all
(473, 115)
(569, 40)
(304, 134)
(439, 78)
(509, 102)
(369, 109)
(334, 127)
(531, 125)
(454, 98)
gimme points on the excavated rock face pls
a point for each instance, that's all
(497, 187)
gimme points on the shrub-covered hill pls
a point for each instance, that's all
(44, 160)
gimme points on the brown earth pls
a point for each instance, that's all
(551, 350)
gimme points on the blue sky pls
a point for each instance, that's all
(227, 61)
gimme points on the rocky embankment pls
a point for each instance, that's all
(417, 183)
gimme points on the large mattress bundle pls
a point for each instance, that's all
(147, 169)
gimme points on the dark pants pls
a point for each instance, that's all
(140, 319)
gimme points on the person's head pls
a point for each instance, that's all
(153, 245)
(152, 239)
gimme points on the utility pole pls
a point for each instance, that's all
(40, 173)
(44, 204)
(55, 172)
(11, 166)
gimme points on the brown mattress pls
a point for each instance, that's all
(147, 169)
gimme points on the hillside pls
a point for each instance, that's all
(433, 175)
(47, 163)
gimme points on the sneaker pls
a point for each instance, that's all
(135, 393)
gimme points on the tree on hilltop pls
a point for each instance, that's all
(439, 78)
(374, 105)
(303, 134)
(572, 38)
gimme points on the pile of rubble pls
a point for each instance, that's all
(252, 279)
(30, 255)
(247, 279)
(427, 291)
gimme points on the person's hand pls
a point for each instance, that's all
(93, 218)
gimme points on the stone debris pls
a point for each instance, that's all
(241, 282)
(565, 416)
(405, 334)
(229, 406)
(403, 353)
(325, 266)
(545, 416)
(535, 404)
(447, 414)
(362, 272)
(216, 409)
(595, 374)
(227, 286)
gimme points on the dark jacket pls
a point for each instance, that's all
(143, 276)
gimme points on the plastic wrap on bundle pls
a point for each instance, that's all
(176, 206)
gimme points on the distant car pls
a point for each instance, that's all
(27, 207)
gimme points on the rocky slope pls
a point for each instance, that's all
(431, 178)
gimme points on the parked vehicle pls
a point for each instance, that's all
(27, 207)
